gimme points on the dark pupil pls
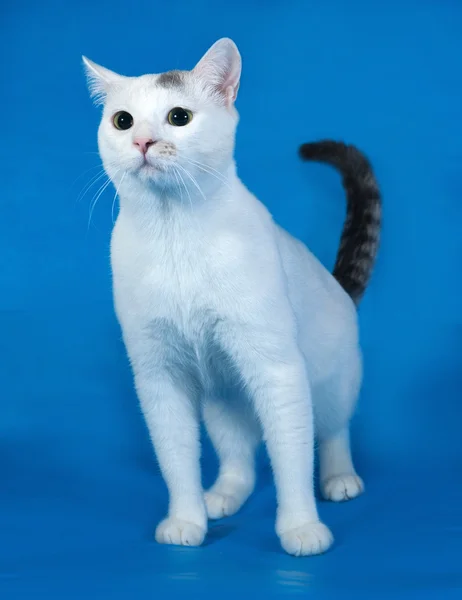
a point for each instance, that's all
(124, 120)
(179, 116)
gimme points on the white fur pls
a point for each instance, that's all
(223, 313)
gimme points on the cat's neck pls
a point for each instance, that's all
(189, 195)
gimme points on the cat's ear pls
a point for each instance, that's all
(99, 80)
(220, 68)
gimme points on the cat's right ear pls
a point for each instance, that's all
(220, 68)
(100, 80)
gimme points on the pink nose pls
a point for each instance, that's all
(143, 143)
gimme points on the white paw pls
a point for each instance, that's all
(306, 540)
(221, 505)
(180, 533)
(342, 487)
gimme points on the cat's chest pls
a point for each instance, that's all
(174, 276)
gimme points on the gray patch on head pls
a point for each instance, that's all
(171, 79)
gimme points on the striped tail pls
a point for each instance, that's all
(361, 231)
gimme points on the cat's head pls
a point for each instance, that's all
(154, 127)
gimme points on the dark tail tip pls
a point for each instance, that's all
(361, 231)
(323, 149)
(350, 161)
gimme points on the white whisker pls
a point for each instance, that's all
(193, 181)
(97, 197)
(86, 188)
(84, 173)
(180, 191)
(115, 195)
(92, 181)
(208, 169)
(185, 187)
(193, 213)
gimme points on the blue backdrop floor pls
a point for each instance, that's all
(93, 539)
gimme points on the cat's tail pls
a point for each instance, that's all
(361, 231)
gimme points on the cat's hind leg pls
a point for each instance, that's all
(235, 435)
(334, 405)
(339, 480)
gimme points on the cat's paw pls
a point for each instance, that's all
(227, 495)
(306, 540)
(221, 505)
(342, 487)
(179, 533)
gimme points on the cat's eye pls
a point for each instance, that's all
(179, 116)
(122, 120)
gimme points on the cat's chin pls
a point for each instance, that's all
(151, 173)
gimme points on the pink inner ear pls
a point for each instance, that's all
(232, 78)
(221, 68)
(231, 93)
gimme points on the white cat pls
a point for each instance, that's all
(223, 313)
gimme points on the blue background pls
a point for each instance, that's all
(80, 491)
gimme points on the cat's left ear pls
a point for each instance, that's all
(220, 68)
(100, 80)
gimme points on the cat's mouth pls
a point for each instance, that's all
(150, 169)
(147, 166)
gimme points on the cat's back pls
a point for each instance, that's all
(326, 315)
(306, 273)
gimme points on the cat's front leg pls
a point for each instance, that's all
(275, 377)
(173, 422)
